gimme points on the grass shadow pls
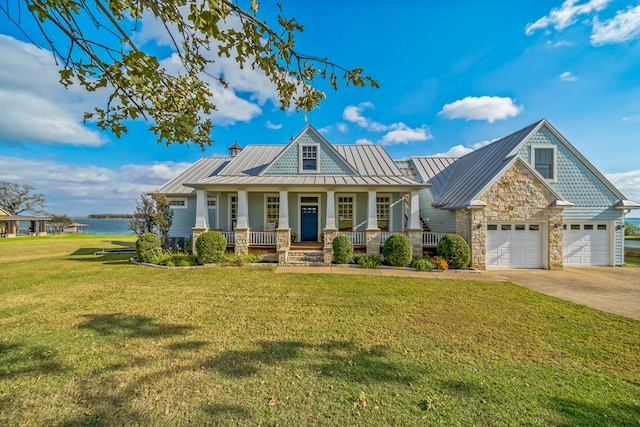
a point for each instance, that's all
(21, 359)
(244, 363)
(575, 413)
(131, 326)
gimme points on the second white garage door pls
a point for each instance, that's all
(514, 246)
(586, 244)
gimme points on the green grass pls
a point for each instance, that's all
(94, 340)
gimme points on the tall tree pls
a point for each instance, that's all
(142, 220)
(16, 199)
(178, 104)
(163, 217)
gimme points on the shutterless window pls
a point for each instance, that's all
(588, 226)
(212, 203)
(233, 210)
(345, 213)
(544, 162)
(273, 210)
(309, 157)
(505, 227)
(575, 226)
(602, 227)
(178, 203)
(382, 208)
(520, 227)
(492, 227)
(534, 227)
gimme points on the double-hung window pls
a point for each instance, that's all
(345, 213)
(383, 212)
(273, 211)
(309, 158)
(544, 162)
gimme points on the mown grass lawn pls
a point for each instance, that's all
(94, 340)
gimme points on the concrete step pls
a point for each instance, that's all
(305, 258)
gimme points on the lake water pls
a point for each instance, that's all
(105, 226)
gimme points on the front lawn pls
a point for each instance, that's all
(94, 340)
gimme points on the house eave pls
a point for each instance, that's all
(626, 204)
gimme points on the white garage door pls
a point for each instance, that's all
(514, 246)
(586, 244)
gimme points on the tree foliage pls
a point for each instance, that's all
(177, 104)
(16, 199)
(58, 222)
(152, 215)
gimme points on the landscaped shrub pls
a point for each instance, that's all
(176, 260)
(148, 247)
(398, 250)
(368, 261)
(342, 249)
(237, 259)
(422, 264)
(440, 263)
(210, 247)
(455, 251)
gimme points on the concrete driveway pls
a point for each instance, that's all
(612, 289)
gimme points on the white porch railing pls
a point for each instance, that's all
(431, 239)
(356, 237)
(383, 236)
(230, 236)
(264, 238)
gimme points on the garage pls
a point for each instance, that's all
(586, 244)
(515, 245)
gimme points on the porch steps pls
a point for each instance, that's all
(307, 258)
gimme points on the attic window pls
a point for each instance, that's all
(309, 157)
(545, 161)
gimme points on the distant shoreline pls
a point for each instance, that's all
(106, 215)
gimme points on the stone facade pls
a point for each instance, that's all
(517, 196)
(372, 240)
(329, 235)
(416, 241)
(242, 241)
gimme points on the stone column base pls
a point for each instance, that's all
(242, 241)
(415, 236)
(372, 240)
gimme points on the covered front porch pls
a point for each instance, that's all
(267, 221)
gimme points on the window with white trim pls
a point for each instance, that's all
(273, 210)
(212, 202)
(309, 158)
(178, 203)
(383, 209)
(544, 160)
(233, 211)
(345, 213)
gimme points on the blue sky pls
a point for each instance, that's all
(453, 76)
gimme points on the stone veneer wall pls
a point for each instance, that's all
(517, 196)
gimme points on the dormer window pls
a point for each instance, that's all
(309, 158)
(544, 161)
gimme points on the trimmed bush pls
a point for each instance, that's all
(176, 260)
(398, 250)
(148, 247)
(210, 247)
(440, 263)
(368, 261)
(422, 264)
(455, 251)
(237, 259)
(342, 250)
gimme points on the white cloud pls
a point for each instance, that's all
(557, 44)
(628, 183)
(35, 106)
(82, 189)
(635, 118)
(565, 15)
(623, 27)
(403, 134)
(363, 141)
(353, 114)
(272, 126)
(489, 108)
(342, 127)
(568, 77)
(461, 150)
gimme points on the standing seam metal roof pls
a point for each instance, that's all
(205, 167)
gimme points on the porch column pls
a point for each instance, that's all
(283, 220)
(243, 210)
(43, 228)
(201, 210)
(242, 224)
(330, 222)
(414, 231)
(414, 218)
(372, 212)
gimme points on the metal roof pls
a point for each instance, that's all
(308, 180)
(435, 171)
(252, 160)
(207, 166)
(369, 159)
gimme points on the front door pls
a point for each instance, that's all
(309, 223)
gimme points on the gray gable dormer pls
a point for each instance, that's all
(312, 143)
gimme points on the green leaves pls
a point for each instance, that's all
(178, 105)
